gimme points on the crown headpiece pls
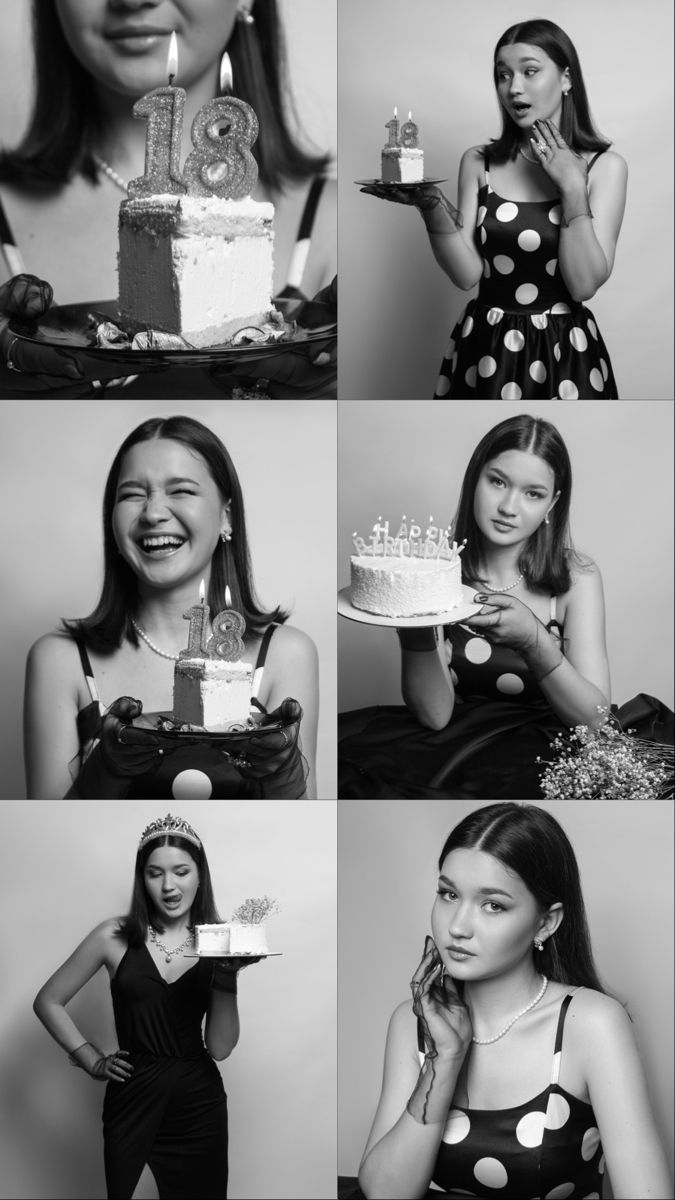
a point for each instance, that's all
(169, 825)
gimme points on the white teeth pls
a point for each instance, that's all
(154, 543)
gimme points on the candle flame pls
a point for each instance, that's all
(396, 110)
(172, 57)
(228, 597)
(410, 116)
(226, 78)
(202, 592)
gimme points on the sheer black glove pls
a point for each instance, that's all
(122, 752)
(273, 758)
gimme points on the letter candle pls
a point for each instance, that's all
(163, 110)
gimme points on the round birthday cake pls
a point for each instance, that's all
(408, 575)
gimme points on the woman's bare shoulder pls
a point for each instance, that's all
(593, 1012)
(289, 641)
(55, 656)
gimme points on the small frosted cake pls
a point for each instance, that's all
(402, 164)
(231, 938)
(405, 587)
(212, 694)
(199, 267)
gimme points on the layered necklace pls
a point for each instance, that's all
(488, 1041)
(189, 941)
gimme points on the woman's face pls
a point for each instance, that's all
(168, 514)
(484, 919)
(124, 43)
(171, 881)
(514, 493)
(529, 84)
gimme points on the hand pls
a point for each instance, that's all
(445, 1018)
(123, 751)
(567, 169)
(274, 758)
(28, 367)
(241, 961)
(113, 1067)
(512, 623)
(423, 195)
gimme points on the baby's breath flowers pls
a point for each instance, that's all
(255, 911)
(607, 763)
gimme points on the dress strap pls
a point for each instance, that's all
(595, 158)
(87, 670)
(557, 1049)
(303, 241)
(486, 158)
(552, 607)
(260, 661)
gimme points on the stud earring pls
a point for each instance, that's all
(226, 536)
(546, 519)
(538, 944)
(244, 13)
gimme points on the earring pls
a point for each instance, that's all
(546, 519)
(244, 12)
(226, 536)
(538, 944)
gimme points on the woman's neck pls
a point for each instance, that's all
(162, 614)
(499, 565)
(492, 1002)
(177, 927)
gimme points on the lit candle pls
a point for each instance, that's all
(392, 126)
(163, 110)
(198, 617)
(226, 641)
(221, 163)
(409, 132)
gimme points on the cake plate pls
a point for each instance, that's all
(468, 609)
(67, 327)
(216, 954)
(385, 183)
(238, 737)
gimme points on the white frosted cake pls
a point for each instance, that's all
(200, 267)
(402, 164)
(231, 938)
(211, 693)
(405, 587)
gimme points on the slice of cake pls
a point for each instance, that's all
(402, 164)
(199, 267)
(211, 693)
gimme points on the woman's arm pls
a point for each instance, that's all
(454, 249)
(426, 685)
(618, 1091)
(292, 669)
(221, 1032)
(587, 245)
(580, 685)
(50, 716)
(50, 1003)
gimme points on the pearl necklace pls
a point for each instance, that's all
(534, 161)
(146, 639)
(501, 589)
(169, 953)
(110, 172)
(488, 1041)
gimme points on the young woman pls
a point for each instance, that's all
(173, 514)
(62, 186)
(164, 1105)
(512, 1071)
(487, 702)
(538, 218)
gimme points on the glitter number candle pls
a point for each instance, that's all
(163, 110)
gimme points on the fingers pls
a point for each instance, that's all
(26, 296)
(556, 134)
(484, 620)
(126, 708)
(118, 1069)
(430, 958)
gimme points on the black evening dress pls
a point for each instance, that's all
(172, 1112)
(523, 337)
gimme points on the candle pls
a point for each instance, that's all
(163, 110)
(221, 163)
(409, 132)
(226, 641)
(198, 617)
(392, 126)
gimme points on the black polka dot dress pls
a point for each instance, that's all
(548, 1148)
(523, 337)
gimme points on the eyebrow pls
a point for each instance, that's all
(486, 891)
(498, 471)
(169, 483)
(528, 58)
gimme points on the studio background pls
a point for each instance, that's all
(310, 36)
(397, 306)
(54, 459)
(69, 865)
(410, 458)
(387, 855)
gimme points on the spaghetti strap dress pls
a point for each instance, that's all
(171, 1113)
(523, 337)
(189, 767)
(547, 1147)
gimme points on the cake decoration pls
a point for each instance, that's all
(406, 575)
(243, 934)
(212, 684)
(402, 158)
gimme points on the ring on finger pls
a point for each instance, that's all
(10, 365)
(541, 147)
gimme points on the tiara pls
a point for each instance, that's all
(169, 825)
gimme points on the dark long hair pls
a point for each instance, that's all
(66, 123)
(110, 622)
(576, 122)
(530, 842)
(134, 926)
(546, 557)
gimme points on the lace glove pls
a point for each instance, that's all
(102, 1066)
(446, 1028)
(512, 623)
(417, 640)
(122, 752)
(225, 971)
(274, 758)
(438, 214)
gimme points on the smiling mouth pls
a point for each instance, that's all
(160, 546)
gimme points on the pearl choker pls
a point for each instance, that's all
(146, 639)
(504, 589)
(488, 1041)
(111, 173)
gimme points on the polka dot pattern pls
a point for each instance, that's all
(560, 1192)
(557, 1111)
(530, 1129)
(478, 650)
(491, 1173)
(508, 684)
(524, 313)
(191, 785)
(590, 1143)
(457, 1127)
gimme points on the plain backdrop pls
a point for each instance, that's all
(54, 459)
(69, 865)
(435, 58)
(405, 457)
(310, 37)
(387, 855)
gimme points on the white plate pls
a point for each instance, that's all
(467, 609)
(219, 954)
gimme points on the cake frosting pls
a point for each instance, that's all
(200, 267)
(211, 693)
(410, 574)
(231, 937)
(402, 164)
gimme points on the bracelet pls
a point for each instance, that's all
(418, 640)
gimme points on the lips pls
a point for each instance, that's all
(161, 544)
(520, 108)
(462, 951)
(502, 524)
(172, 901)
(136, 31)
